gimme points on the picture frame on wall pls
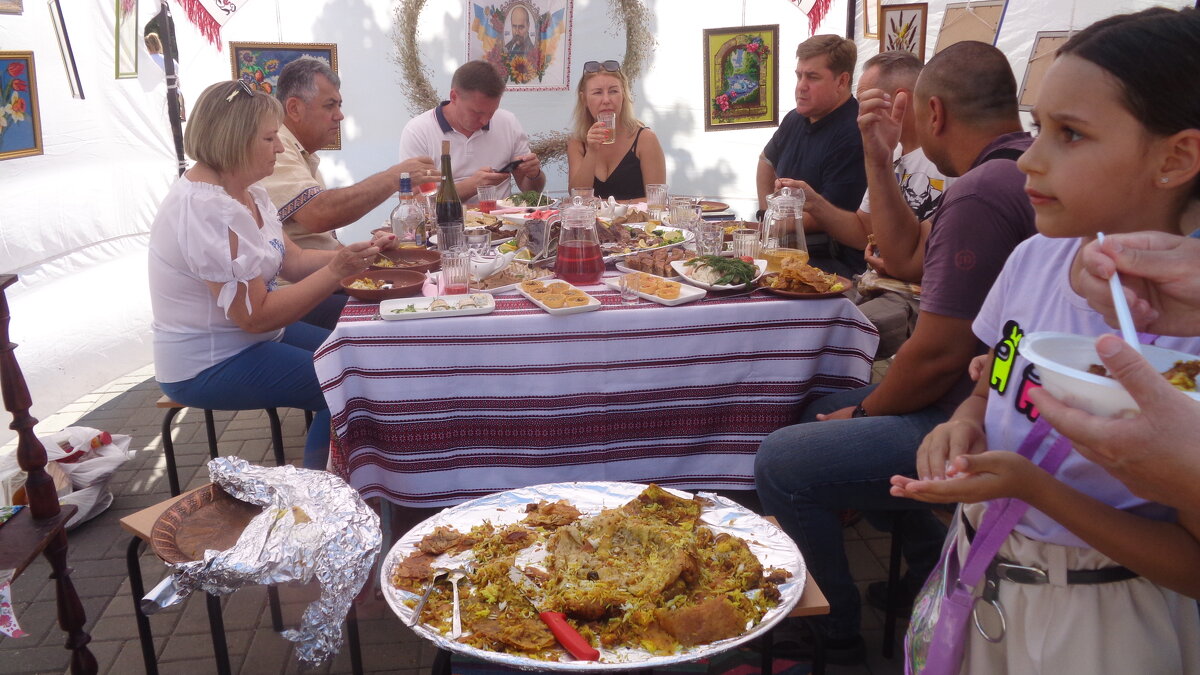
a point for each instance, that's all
(528, 41)
(1045, 45)
(259, 64)
(870, 18)
(977, 20)
(21, 135)
(64, 48)
(902, 27)
(127, 39)
(12, 6)
(741, 77)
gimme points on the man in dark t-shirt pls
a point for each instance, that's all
(850, 444)
(819, 143)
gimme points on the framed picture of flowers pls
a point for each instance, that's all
(528, 41)
(259, 63)
(20, 123)
(741, 77)
(902, 27)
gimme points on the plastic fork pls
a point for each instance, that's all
(1124, 318)
(456, 575)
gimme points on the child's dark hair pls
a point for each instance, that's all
(1155, 56)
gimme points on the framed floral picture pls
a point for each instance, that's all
(902, 27)
(259, 63)
(529, 41)
(20, 122)
(128, 38)
(741, 77)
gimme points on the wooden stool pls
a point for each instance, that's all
(140, 525)
(210, 428)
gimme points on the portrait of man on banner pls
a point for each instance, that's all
(527, 40)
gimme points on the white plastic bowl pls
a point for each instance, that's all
(1062, 360)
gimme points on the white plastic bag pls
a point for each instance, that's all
(89, 457)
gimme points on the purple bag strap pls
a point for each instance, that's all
(1003, 515)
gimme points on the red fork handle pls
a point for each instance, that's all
(568, 637)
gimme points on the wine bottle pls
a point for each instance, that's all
(449, 207)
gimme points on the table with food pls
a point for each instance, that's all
(640, 360)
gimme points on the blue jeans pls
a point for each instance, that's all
(267, 375)
(808, 472)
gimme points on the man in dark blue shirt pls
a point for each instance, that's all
(819, 143)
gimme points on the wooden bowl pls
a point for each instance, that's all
(416, 259)
(208, 518)
(405, 284)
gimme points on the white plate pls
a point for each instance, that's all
(687, 237)
(593, 304)
(622, 268)
(681, 267)
(686, 293)
(394, 310)
(496, 241)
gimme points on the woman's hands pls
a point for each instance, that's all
(353, 258)
(596, 135)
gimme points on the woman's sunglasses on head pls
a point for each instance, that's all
(595, 66)
(243, 88)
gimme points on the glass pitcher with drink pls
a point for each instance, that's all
(579, 260)
(783, 223)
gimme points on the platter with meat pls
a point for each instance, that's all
(618, 239)
(619, 575)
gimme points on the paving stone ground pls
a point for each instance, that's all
(182, 641)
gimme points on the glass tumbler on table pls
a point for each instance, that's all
(490, 194)
(656, 201)
(455, 277)
(745, 243)
(710, 237)
(451, 235)
(629, 283)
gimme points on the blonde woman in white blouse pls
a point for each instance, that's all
(225, 335)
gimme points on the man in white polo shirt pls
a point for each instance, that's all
(483, 138)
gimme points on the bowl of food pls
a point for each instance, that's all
(1070, 369)
(408, 258)
(374, 286)
(717, 273)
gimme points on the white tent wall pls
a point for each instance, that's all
(76, 218)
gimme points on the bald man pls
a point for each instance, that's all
(850, 444)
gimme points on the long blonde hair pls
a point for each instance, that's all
(583, 117)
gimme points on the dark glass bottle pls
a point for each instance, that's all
(449, 207)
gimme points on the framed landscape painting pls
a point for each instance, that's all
(902, 27)
(741, 77)
(20, 120)
(259, 63)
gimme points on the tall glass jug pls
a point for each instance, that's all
(782, 231)
(579, 260)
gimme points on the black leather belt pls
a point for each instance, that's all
(1008, 570)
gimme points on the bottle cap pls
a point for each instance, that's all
(405, 182)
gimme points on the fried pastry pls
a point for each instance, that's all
(553, 300)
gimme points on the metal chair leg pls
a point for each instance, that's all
(356, 665)
(893, 588)
(133, 563)
(276, 436)
(169, 450)
(276, 610)
(308, 418)
(210, 427)
(216, 626)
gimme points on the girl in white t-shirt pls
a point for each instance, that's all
(1105, 578)
(225, 336)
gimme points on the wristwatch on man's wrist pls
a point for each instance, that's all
(859, 411)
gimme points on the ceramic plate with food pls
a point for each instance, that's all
(775, 284)
(432, 308)
(660, 290)
(619, 241)
(557, 297)
(713, 207)
(719, 273)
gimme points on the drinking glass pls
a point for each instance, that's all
(656, 200)
(455, 277)
(629, 288)
(681, 211)
(609, 120)
(745, 243)
(451, 235)
(586, 193)
(478, 240)
(710, 236)
(490, 194)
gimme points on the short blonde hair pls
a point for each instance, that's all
(222, 128)
(583, 117)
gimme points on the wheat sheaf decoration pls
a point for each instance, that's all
(549, 146)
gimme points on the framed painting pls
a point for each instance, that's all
(1045, 44)
(259, 63)
(902, 27)
(528, 41)
(741, 77)
(20, 122)
(962, 21)
(127, 38)
(870, 18)
(12, 6)
(64, 48)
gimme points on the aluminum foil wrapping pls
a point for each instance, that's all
(766, 540)
(312, 525)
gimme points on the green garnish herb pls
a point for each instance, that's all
(732, 270)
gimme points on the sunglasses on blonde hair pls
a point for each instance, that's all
(243, 88)
(595, 66)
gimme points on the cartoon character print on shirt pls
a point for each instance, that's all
(1005, 358)
(922, 193)
(274, 282)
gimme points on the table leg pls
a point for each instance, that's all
(441, 663)
(766, 651)
(216, 625)
(356, 665)
(133, 563)
(70, 610)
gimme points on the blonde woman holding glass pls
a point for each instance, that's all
(617, 162)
